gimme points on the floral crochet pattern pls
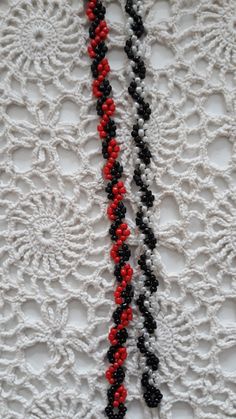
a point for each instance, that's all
(215, 35)
(55, 406)
(45, 233)
(40, 37)
(56, 293)
(222, 230)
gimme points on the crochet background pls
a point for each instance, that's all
(56, 285)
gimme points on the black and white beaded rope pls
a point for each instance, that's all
(142, 176)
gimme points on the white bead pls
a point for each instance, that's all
(140, 122)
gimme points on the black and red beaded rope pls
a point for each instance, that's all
(116, 210)
(142, 177)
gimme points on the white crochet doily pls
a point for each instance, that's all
(56, 283)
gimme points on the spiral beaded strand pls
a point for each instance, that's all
(119, 230)
(142, 177)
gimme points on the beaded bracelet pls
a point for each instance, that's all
(142, 178)
(116, 210)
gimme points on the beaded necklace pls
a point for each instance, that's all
(142, 177)
(116, 210)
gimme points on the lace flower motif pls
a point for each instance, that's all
(47, 132)
(40, 37)
(217, 21)
(58, 405)
(213, 33)
(175, 340)
(46, 234)
(221, 227)
(61, 339)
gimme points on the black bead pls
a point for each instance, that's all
(152, 396)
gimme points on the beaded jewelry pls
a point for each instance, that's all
(142, 178)
(119, 230)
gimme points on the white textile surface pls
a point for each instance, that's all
(56, 285)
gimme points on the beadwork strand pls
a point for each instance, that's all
(142, 177)
(116, 210)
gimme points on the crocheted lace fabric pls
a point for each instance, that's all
(56, 274)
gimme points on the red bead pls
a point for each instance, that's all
(113, 142)
(103, 134)
(104, 107)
